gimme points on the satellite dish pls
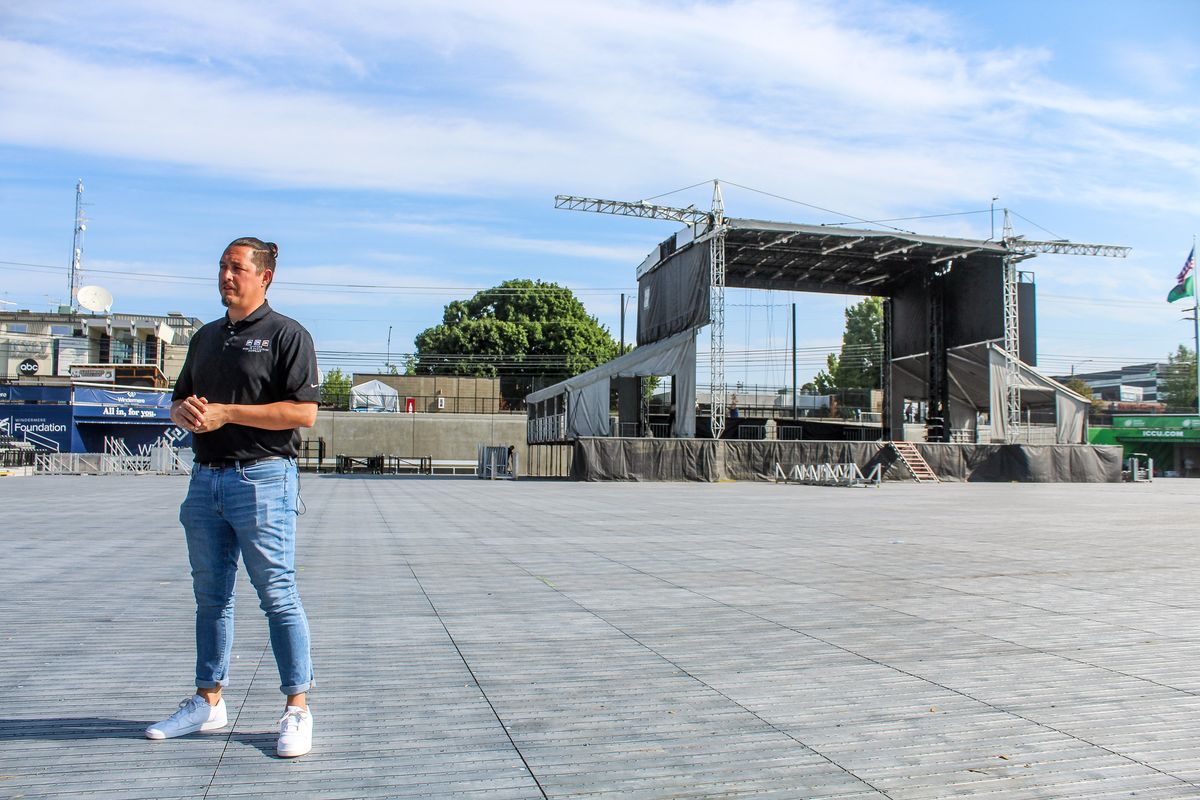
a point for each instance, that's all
(95, 298)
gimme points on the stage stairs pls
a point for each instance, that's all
(908, 453)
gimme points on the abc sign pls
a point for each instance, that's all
(28, 367)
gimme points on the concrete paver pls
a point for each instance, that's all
(549, 639)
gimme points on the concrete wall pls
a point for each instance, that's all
(442, 436)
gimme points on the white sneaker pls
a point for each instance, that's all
(194, 714)
(295, 732)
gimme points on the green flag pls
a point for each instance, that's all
(1185, 289)
(1185, 280)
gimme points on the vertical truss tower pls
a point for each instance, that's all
(1019, 249)
(716, 242)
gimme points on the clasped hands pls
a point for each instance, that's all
(197, 415)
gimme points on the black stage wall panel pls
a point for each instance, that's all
(1027, 319)
(974, 302)
(974, 310)
(910, 318)
(674, 296)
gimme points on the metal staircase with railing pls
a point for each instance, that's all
(917, 465)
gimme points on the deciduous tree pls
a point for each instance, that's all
(859, 364)
(1179, 380)
(525, 332)
(335, 389)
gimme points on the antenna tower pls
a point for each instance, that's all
(75, 277)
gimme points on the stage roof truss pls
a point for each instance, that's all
(689, 216)
(815, 258)
(1027, 247)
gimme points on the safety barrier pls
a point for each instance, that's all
(497, 462)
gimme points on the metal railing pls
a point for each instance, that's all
(1033, 433)
(161, 460)
(39, 441)
(789, 433)
(547, 429)
(429, 403)
(17, 457)
(750, 432)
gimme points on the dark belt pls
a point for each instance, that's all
(236, 463)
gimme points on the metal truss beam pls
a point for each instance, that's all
(688, 216)
(1024, 246)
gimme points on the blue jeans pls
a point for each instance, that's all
(248, 511)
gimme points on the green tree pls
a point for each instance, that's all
(858, 366)
(522, 331)
(335, 389)
(1179, 380)
(824, 381)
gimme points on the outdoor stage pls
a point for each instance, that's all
(616, 459)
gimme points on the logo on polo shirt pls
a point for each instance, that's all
(257, 346)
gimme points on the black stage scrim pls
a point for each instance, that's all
(708, 460)
(673, 297)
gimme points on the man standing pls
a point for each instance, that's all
(248, 384)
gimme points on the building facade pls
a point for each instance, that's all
(1136, 383)
(124, 349)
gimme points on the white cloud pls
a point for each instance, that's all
(475, 98)
(874, 107)
(478, 237)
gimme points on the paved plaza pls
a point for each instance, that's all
(537, 639)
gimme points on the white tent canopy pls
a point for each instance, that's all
(587, 395)
(374, 395)
(978, 376)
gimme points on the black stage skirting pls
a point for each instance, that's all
(612, 459)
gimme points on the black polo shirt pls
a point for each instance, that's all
(264, 358)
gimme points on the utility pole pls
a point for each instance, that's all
(795, 385)
(388, 364)
(622, 323)
(1196, 320)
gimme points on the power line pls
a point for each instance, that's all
(1034, 224)
(348, 288)
(676, 191)
(809, 205)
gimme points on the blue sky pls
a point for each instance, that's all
(418, 146)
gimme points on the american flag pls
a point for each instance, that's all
(1188, 266)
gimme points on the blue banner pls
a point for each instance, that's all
(121, 406)
(138, 437)
(46, 427)
(34, 394)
